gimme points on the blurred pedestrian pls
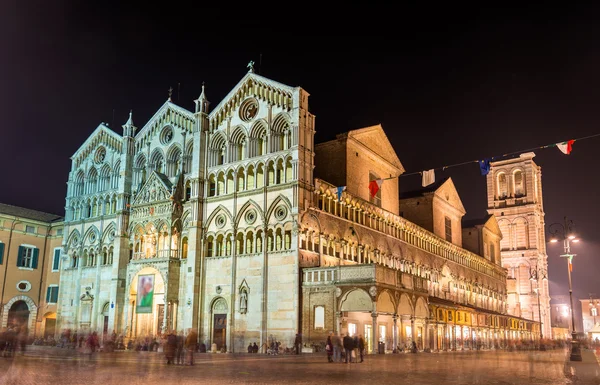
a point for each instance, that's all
(180, 348)
(190, 345)
(329, 348)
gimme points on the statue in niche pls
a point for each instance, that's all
(243, 301)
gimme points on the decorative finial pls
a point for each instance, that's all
(250, 66)
(170, 92)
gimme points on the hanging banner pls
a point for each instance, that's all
(145, 294)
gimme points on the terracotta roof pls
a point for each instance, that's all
(28, 213)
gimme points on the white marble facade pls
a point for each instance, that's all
(206, 203)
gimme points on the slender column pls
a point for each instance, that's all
(413, 329)
(338, 322)
(395, 333)
(374, 333)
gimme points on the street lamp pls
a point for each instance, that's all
(564, 231)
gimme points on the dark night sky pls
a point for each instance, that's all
(447, 86)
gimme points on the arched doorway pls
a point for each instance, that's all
(18, 314)
(146, 304)
(49, 325)
(219, 329)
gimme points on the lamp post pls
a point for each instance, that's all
(564, 231)
(542, 346)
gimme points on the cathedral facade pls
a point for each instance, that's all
(213, 220)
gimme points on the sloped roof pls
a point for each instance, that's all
(424, 190)
(23, 212)
(476, 222)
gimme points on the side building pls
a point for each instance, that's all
(30, 261)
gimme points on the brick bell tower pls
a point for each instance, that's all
(514, 191)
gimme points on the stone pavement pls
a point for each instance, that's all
(585, 372)
(58, 366)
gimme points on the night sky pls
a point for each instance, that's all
(447, 86)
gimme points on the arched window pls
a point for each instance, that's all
(502, 186)
(157, 161)
(238, 144)
(217, 150)
(519, 183)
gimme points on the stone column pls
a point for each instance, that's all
(413, 330)
(374, 333)
(395, 333)
(338, 322)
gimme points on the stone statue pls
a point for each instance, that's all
(243, 302)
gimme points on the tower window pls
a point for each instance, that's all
(519, 189)
(502, 187)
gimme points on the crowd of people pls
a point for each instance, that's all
(347, 349)
(12, 339)
(180, 349)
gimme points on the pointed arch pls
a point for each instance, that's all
(244, 208)
(356, 300)
(157, 160)
(405, 305)
(108, 233)
(385, 303)
(281, 199)
(216, 211)
(92, 230)
(74, 234)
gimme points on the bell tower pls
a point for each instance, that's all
(514, 190)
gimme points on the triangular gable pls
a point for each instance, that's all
(156, 188)
(375, 139)
(262, 88)
(448, 193)
(492, 225)
(101, 135)
(168, 114)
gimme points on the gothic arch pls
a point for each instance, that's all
(309, 217)
(356, 300)
(107, 233)
(174, 152)
(421, 308)
(216, 211)
(218, 141)
(385, 303)
(92, 230)
(276, 202)
(246, 206)
(405, 305)
(74, 234)
(219, 303)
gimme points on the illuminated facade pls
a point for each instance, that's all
(514, 188)
(214, 220)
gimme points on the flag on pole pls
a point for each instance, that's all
(484, 166)
(566, 147)
(571, 263)
(340, 190)
(428, 177)
(374, 186)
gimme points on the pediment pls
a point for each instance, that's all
(102, 135)
(270, 91)
(492, 225)
(377, 141)
(157, 188)
(168, 114)
(447, 192)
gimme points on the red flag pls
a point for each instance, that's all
(374, 186)
(566, 147)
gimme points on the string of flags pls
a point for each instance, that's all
(428, 176)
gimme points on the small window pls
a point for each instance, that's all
(59, 232)
(29, 229)
(27, 257)
(320, 317)
(56, 260)
(52, 294)
(448, 225)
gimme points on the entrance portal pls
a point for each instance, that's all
(219, 334)
(220, 330)
(18, 314)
